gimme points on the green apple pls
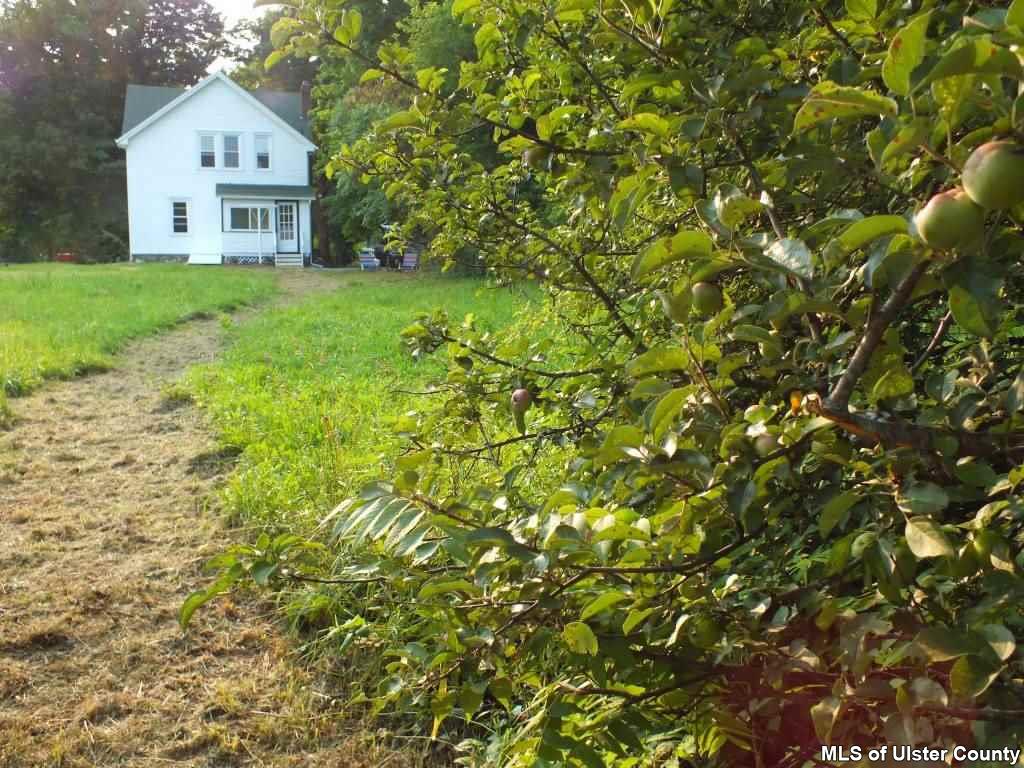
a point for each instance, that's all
(994, 175)
(538, 158)
(707, 298)
(950, 220)
(765, 445)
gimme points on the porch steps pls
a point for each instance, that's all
(288, 260)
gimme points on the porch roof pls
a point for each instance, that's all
(272, 191)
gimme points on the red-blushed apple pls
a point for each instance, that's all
(994, 175)
(950, 220)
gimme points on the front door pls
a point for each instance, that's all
(287, 228)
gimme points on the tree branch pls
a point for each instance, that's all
(525, 369)
(940, 333)
(839, 399)
(894, 433)
(824, 19)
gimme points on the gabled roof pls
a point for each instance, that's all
(141, 101)
(145, 104)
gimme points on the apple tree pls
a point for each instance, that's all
(748, 482)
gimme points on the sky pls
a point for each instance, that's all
(236, 10)
(233, 12)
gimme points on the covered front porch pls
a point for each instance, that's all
(265, 224)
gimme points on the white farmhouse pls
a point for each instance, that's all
(218, 174)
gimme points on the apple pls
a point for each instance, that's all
(538, 158)
(950, 220)
(765, 445)
(707, 298)
(994, 175)
(521, 400)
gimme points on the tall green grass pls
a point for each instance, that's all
(308, 393)
(60, 320)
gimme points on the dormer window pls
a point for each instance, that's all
(207, 150)
(232, 150)
(262, 144)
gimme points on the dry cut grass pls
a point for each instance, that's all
(107, 512)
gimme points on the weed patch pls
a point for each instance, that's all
(307, 392)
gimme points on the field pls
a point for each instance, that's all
(61, 320)
(121, 479)
(306, 393)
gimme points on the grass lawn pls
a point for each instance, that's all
(59, 320)
(307, 393)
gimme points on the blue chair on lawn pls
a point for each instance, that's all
(410, 260)
(367, 261)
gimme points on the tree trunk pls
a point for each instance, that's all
(323, 231)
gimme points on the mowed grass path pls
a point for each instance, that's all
(60, 320)
(308, 393)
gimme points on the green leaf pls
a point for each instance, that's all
(906, 52)
(862, 10)
(1001, 640)
(602, 602)
(829, 101)
(580, 638)
(943, 644)
(472, 696)
(952, 94)
(658, 360)
(459, 7)
(371, 74)
(192, 603)
(448, 586)
(926, 539)
(646, 122)
(1015, 394)
(922, 499)
(661, 415)
(926, 691)
(687, 245)
(634, 618)
(866, 231)
(971, 676)
(275, 58)
(490, 537)
(977, 55)
(834, 511)
(733, 207)
(283, 30)
(353, 21)
(792, 254)
(1015, 14)
(895, 382)
(824, 715)
(403, 119)
(974, 298)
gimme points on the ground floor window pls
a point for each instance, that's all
(246, 219)
(179, 217)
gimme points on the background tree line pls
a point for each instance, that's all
(64, 67)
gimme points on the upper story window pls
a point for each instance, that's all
(262, 144)
(232, 150)
(207, 150)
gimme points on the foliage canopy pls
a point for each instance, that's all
(720, 540)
